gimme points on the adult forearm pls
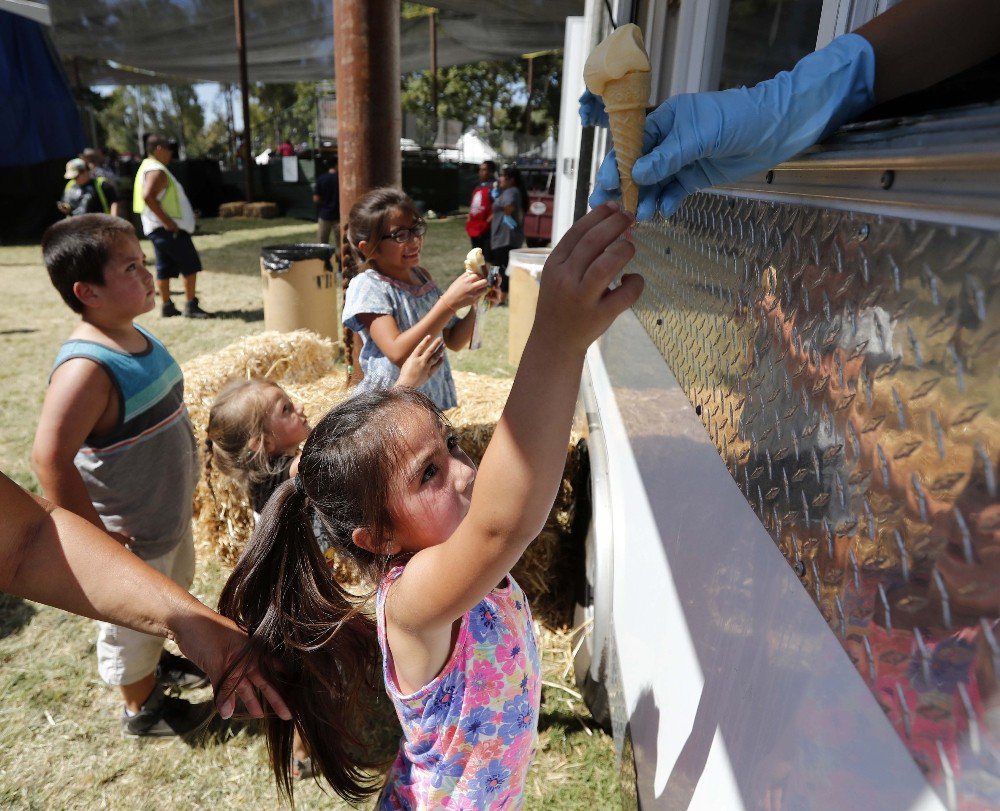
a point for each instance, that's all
(921, 42)
(63, 486)
(55, 557)
(154, 205)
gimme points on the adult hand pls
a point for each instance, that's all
(170, 226)
(464, 291)
(592, 112)
(214, 643)
(692, 141)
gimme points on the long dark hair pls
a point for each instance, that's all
(315, 640)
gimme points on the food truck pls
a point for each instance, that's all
(794, 444)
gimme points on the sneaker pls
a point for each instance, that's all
(163, 716)
(176, 671)
(169, 310)
(192, 310)
(301, 769)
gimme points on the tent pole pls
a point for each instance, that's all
(366, 59)
(241, 49)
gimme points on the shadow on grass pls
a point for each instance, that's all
(569, 722)
(249, 316)
(218, 730)
(15, 614)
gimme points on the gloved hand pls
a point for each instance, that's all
(696, 140)
(510, 222)
(592, 112)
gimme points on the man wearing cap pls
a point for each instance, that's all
(168, 221)
(85, 194)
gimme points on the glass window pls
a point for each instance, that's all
(764, 37)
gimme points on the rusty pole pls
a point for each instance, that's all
(434, 74)
(241, 49)
(366, 57)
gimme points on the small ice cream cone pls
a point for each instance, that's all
(625, 100)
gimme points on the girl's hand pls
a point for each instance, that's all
(423, 362)
(464, 291)
(575, 303)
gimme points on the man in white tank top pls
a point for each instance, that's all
(168, 221)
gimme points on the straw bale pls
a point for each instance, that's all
(236, 209)
(304, 365)
(263, 211)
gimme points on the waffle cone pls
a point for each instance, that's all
(625, 100)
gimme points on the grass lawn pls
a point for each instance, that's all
(58, 722)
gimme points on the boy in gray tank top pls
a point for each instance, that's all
(114, 444)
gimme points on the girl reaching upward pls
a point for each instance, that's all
(390, 485)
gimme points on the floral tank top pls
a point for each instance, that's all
(469, 734)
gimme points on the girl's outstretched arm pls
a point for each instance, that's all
(55, 557)
(521, 470)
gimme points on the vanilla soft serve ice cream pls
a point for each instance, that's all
(618, 71)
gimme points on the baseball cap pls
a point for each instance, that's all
(74, 167)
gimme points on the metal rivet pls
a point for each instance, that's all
(886, 181)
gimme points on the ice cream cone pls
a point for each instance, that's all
(625, 101)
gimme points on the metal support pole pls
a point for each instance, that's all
(366, 57)
(434, 74)
(241, 48)
(527, 103)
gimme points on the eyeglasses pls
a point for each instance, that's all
(403, 235)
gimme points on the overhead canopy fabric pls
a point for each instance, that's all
(40, 121)
(143, 41)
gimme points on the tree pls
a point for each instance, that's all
(484, 93)
(279, 111)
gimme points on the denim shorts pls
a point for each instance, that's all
(175, 254)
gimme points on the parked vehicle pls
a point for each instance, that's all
(791, 431)
(540, 181)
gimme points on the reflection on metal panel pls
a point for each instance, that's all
(846, 368)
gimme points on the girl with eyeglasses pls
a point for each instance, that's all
(394, 303)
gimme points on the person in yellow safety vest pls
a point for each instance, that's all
(168, 220)
(85, 194)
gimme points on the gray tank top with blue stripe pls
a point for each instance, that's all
(141, 475)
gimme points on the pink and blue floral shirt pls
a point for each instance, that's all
(468, 735)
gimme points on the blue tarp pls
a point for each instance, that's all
(40, 120)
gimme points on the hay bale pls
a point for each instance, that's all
(262, 211)
(236, 209)
(304, 365)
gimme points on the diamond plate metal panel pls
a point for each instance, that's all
(847, 368)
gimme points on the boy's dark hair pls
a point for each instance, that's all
(77, 249)
(491, 165)
(314, 640)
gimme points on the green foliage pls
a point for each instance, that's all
(280, 111)
(488, 95)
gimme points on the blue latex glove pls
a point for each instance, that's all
(510, 222)
(696, 140)
(592, 112)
